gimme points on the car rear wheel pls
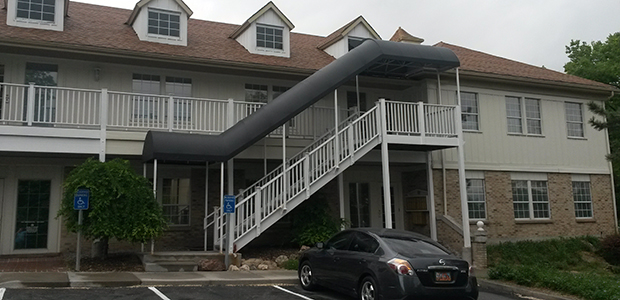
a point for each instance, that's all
(305, 276)
(368, 289)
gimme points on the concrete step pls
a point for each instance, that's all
(185, 256)
(171, 267)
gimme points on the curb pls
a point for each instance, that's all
(515, 290)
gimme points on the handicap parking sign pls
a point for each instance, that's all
(80, 200)
(229, 204)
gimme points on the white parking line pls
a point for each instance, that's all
(292, 293)
(155, 290)
(2, 290)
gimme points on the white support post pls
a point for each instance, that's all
(307, 174)
(431, 195)
(217, 224)
(221, 206)
(230, 218)
(336, 139)
(258, 207)
(103, 123)
(462, 182)
(341, 198)
(421, 120)
(230, 113)
(154, 193)
(206, 203)
(30, 104)
(284, 170)
(170, 112)
(385, 164)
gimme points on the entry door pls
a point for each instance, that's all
(32, 215)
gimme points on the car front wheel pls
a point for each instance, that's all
(368, 289)
(305, 276)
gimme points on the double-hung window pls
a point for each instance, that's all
(166, 23)
(181, 89)
(530, 199)
(476, 203)
(582, 197)
(38, 10)
(147, 106)
(469, 111)
(268, 36)
(519, 122)
(574, 119)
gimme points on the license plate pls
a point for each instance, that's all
(443, 277)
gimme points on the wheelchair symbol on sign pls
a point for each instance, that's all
(81, 202)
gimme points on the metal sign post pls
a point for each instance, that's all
(80, 203)
(229, 208)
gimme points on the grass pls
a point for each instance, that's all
(568, 265)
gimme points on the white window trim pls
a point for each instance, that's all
(583, 121)
(583, 178)
(530, 201)
(476, 176)
(267, 49)
(56, 25)
(161, 36)
(524, 118)
(476, 114)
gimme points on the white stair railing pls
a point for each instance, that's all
(302, 177)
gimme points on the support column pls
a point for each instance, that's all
(221, 225)
(154, 193)
(284, 166)
(103, 123)
(462, 182)
(431, 196)
(230, 218)
(385, 165)
(206, 221)
(336, 139)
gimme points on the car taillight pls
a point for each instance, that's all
(471, 271)
(400, 266)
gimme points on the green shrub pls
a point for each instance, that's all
(291, 264)
(610, 249)
(313, 222)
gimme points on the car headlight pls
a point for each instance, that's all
(400, 266)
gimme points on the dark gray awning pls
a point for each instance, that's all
(371, 58)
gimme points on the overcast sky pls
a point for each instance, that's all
(531, 31)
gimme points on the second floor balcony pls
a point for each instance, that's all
(32, 106)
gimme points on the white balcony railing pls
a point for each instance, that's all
(80, 108)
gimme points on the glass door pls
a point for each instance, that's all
(359, 204)
(33, 214)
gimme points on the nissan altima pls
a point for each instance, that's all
(380, 263)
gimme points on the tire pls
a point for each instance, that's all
(368, 289)
(306, 279)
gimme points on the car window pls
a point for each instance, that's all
(340, 241)
(410, 247)
(364, 243)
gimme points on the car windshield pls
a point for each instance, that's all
(413, 247)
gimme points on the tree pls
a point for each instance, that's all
(122, 204)
(600, 61)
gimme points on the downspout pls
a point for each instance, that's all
(611, 171)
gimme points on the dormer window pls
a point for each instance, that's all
(354, 42)
(165, 23)
(39, 10)
(268, 36)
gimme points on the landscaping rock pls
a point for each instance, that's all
(263, 267)
(280, 260)
(244, 268)
(211, 265)
(233, 268)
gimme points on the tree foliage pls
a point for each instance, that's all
(122, 204)
(600, 61)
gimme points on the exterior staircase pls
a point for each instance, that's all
(264, 203)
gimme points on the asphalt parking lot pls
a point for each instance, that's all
(266, 292)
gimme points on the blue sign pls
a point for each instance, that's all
(229, 204)
(80, 201)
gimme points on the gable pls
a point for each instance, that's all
(337, 43)
(161, 21)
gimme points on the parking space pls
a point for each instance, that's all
(262, 292)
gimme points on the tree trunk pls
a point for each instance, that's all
(100, 248)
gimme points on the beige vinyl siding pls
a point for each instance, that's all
(341, 47)
(493, 148)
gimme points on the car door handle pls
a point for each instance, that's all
(362, 261)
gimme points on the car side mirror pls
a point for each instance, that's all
(319, 245)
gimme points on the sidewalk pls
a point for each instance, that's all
(118, 279)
